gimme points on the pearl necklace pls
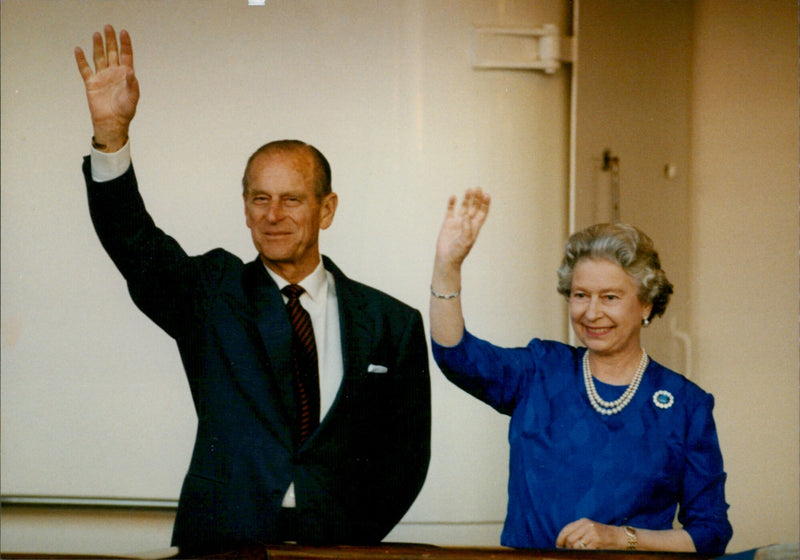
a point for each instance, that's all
(607, 408)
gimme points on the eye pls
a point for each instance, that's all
(611, 297)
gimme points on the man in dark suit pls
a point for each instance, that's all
(279, 454)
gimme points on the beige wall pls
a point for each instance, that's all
(745, 253)
(634, 99)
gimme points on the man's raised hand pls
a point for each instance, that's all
(111, 88)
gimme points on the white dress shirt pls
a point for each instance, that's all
(319, 299)
(108, 166)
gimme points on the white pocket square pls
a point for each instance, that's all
(373, 368)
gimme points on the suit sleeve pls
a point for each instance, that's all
(160, 276)
(413, 422)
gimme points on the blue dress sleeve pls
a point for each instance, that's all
(703, 511)
(493, 374)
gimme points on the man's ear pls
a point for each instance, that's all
(327, 210)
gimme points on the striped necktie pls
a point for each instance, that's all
(304, 351)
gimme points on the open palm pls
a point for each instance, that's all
(461, 226)
(111, 88)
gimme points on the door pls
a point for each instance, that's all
(632, 103)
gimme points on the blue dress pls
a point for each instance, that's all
(567, 461)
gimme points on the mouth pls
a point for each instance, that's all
(596, 331)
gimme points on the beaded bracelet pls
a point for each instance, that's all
(436, 294)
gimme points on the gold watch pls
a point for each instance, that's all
(633, 540)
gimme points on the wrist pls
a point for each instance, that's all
(109, 139)
(446, 275)
(631, 538)
(109, 147)
(445, 295)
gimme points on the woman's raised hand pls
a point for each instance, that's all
(461, 227)
(459, 233)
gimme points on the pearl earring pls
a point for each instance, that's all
(645, 322)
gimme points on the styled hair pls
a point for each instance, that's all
(627, 246)
(321, 169)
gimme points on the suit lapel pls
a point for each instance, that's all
(275, 331)
(354, 324)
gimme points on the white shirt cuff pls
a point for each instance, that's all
(108, 166)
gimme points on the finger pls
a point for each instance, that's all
(83, 64)
(486, 202)
(562, 538)
(482, 203)
(125, 49)
(571, 534)
(475, 202)
(112, 52)
(133, 84)
(587, 536)
(465, 203)
(578, 543)
(98, 52)
(573, 542)
(478, 214)
(451, 208)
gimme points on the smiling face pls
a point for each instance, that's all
(605, 309)
(284, 213)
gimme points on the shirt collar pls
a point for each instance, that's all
(314, 284)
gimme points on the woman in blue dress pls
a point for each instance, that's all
(606, 445)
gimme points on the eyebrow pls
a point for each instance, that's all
(579, 288)
(253, 191)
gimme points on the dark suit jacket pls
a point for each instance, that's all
(363, 467)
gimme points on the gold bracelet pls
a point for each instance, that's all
(633, 540)
(437, 295)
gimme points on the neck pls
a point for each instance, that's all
(616, 369)
(290, 272)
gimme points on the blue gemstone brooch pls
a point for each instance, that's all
(663, 399)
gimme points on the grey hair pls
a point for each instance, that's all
(320, 168)
(627, 246)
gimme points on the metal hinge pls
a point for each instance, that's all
(516, 48)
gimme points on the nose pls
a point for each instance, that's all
(593, 309)
(274, 212)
